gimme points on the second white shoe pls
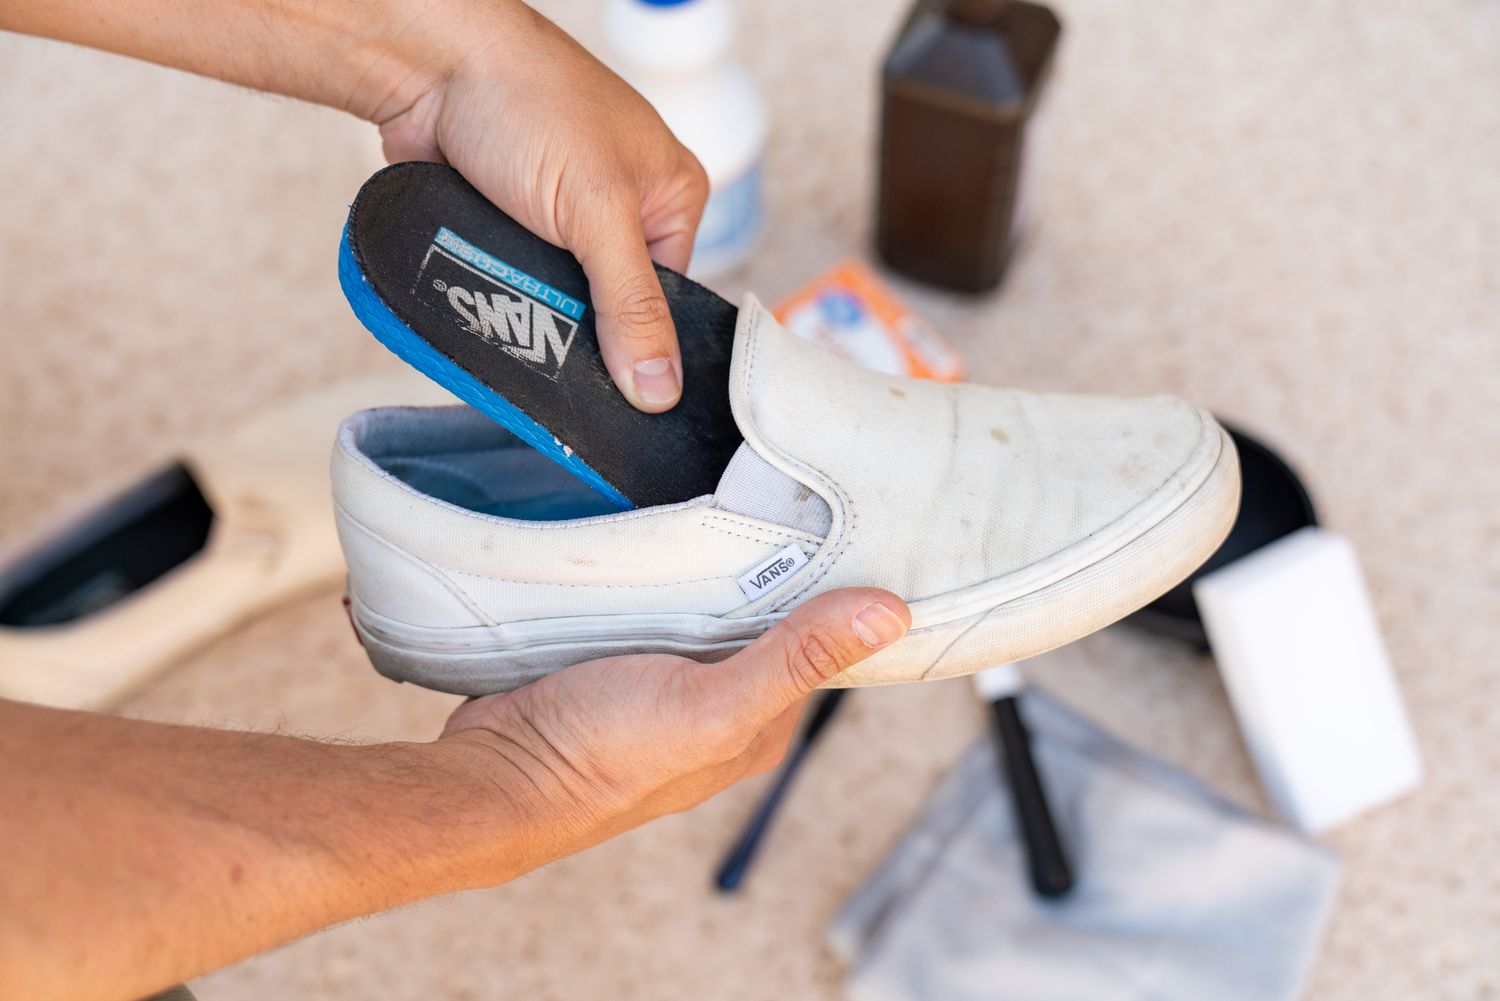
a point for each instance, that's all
(1011, 522)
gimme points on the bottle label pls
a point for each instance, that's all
(731, 219)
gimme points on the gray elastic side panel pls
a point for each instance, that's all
(753, 487)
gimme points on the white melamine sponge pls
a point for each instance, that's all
(1296, 640)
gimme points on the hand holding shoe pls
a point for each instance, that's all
(239, 841)
(599, 748)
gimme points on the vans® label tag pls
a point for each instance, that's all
(774, 572)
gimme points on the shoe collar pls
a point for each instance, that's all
(764, 351)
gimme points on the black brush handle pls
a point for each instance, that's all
(737, 863)
(1050, 873)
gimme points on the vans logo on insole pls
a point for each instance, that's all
(774, 572)
(522, 316)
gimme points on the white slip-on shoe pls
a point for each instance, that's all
(1011, 522)
(97, 606)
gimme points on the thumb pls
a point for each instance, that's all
(634, 324)
(827, 635)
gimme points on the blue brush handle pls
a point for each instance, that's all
(737, 863)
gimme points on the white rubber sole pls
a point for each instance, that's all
(1054, 602)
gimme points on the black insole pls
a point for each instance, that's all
(482, 290)
(110, 554)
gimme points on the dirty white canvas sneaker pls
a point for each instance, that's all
(1011, 523)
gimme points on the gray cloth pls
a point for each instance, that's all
(1178, 895)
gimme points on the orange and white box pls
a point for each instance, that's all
(849, 311)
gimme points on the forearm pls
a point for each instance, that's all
(136, 854)
(369, 57)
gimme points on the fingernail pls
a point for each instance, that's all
(656, 381)
(877, 625)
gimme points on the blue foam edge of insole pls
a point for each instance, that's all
(410, 347)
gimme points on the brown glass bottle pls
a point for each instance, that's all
(959, 85)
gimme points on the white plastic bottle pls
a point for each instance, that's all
(676, 53)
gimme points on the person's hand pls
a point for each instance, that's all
(534, 122)
(238, 841)
(601, 747)
(568, 149)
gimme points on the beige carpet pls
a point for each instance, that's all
(1288, 211)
